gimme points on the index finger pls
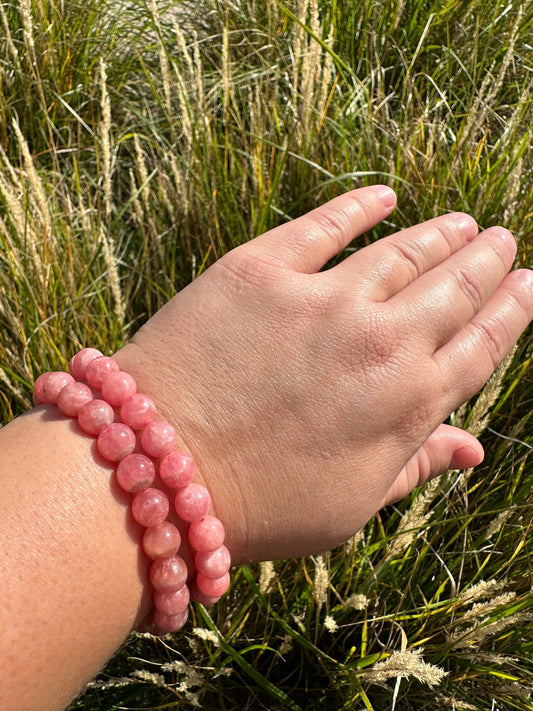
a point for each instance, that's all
(308, 242)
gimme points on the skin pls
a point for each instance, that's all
(308, 398)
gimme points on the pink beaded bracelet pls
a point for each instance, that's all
(115, 418)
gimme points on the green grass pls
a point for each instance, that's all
(149, 142)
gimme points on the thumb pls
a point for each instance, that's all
(447, 448)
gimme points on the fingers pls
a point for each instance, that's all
(446, 298)
(447, 448)
(306, 244)
(471, 356)
(387, 267)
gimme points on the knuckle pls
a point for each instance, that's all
(494, 338)
(335, 224)
(471, 286)
(408, 256)
(244, 267)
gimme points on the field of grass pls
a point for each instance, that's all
(139, 141)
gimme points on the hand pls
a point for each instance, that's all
(311, 398)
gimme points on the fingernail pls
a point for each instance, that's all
(464, 457)
(527, 276)
(505, 235)
(385, 194)
(466, 224)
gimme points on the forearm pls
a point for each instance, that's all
(73, 578)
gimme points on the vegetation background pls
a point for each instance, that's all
(141, 140)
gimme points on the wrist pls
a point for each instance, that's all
(142, 449)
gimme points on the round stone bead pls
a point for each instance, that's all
(192, 503)
(38, 389)
(52, 385)
(137, 411)
(172, 603)
(117, 387)
(198, 596)
(116, 441)
(150, 507)
(98, 369)
(78, 363)
(170, 623)
(158, 438)
(207, 534)
(161, 541)
(135, 472)
(213, 564)
(73, 397)
(168, 574)
(177, 469)
(94, 416)
(213, 587)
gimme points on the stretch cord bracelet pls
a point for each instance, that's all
(116, 417)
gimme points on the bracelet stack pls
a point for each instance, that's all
(106, 403)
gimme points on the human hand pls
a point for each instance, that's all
(311, 398)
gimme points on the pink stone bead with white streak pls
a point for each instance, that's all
(116, 441)
(137, 411)
(150, 507)
(73, 397)
(78, 364)
(177, 469)
(98, 369)
(135, 472)
(53, 384)
(213, 564)
(117, 387)
(207, 534)
(158, 438)
(94, 416)
(192, 503)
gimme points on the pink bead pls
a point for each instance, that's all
(213, 587)
(135, 472)
(198, 596)
(192, 503)
(94, 416)
(158, 439)
(213, 564)
(161, 541)
(170, 623)
(38, 389)
(73, 397)
(78, 363)
(98, 369)
(118, 386)
(137, 411)
(168, 574)
(177, 469)
(172, 603)
(207, 534)
(52, 385)
(150, 507)
(116, 441)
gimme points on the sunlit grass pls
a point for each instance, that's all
(140, 141)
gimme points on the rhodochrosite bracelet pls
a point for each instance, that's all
(107, 405)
